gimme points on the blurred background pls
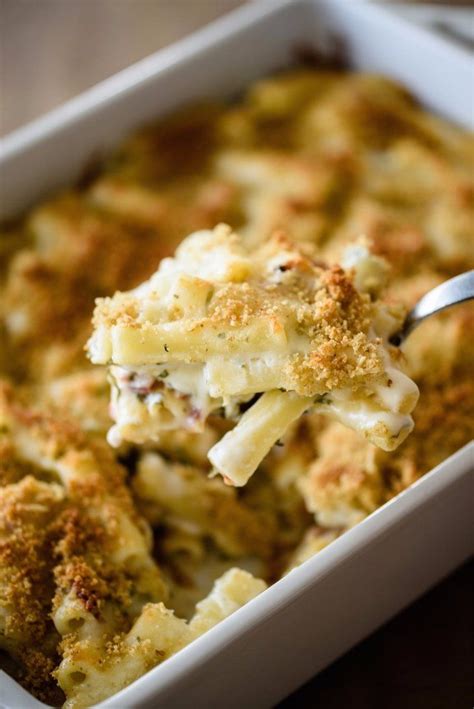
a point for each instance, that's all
(51, 50)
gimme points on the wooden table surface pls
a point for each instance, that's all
(422, 659)
(51, 50)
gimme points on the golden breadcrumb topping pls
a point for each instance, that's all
(61, 524)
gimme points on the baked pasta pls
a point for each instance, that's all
(112, 559)
(218, 325)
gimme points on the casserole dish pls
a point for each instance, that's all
(340, 590)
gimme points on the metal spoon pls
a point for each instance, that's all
(452, 292)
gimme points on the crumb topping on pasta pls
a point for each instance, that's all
(278, 285)
(221, 323)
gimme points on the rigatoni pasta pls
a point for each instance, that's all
(90, 672)
(78, 526)
(220, 324)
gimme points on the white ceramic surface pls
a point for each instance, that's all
(306, 620)
(457, 21)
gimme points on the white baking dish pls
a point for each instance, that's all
(306, 620)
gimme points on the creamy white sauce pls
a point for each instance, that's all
(178, 394)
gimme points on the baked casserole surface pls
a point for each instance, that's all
(98, 546)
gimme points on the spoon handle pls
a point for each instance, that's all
(452, 292)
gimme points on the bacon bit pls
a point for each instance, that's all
(195, 414)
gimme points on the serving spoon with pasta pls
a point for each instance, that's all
(456, 290)
(259, 336)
